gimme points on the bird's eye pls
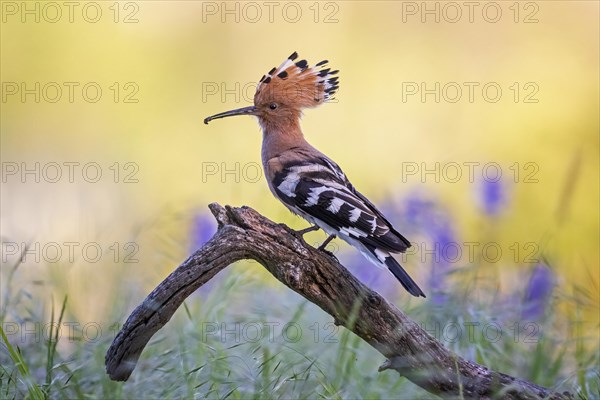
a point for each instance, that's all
(273, 106)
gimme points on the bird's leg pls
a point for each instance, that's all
(325, 243)
(302, 232)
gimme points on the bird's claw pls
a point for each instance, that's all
(329, 253)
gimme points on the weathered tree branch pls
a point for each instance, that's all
(245, 234)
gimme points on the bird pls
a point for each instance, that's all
(305, 180)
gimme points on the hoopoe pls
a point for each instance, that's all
(308, 182)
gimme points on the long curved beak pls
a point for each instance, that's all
(240, 111)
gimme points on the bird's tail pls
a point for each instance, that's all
(403, 277)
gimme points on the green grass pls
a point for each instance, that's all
(245, 338)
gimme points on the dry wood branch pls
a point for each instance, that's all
(245, 234)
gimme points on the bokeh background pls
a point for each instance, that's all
(476, 129)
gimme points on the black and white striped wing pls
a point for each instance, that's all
(321, 189)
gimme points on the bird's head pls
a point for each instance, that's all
(283, 92)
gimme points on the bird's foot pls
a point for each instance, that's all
(302, 232)
(326, 242)
(323, 246)
(330, 254)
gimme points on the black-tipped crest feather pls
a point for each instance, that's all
(299, 85)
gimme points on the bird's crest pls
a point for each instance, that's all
(297, 84)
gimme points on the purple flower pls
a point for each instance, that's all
(444, 246)
(493, 196)
(422, 216)
(538, 292)
(418, 210)
(203, 228)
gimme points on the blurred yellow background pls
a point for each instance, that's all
(162, 67)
